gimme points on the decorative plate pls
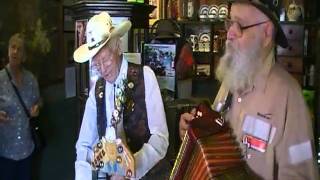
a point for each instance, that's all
(204, 37)
(213, 12)
(203, 11)
(223, 11)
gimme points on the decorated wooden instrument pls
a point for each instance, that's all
(113, 158)
(209, 150)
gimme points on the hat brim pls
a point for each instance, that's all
(83, 53)
(166, 36)
(280, 37)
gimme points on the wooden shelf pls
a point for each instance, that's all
(197, 22)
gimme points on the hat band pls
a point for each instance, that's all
(97, 44)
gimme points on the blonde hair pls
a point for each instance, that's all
(17, 37)
(20, 38)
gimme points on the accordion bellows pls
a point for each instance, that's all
(209, 151)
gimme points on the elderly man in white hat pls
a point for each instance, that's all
(267, 113)
(124, 106)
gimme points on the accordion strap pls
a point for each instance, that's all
(223, 99)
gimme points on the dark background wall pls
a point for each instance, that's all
(58, 115)
(22, 16)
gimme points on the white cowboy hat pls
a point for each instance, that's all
(99, 31)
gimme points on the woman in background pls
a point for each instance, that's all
(16, 144)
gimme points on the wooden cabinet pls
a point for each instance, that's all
(207, 41)
(294, 65)
(292, 57)
(301, 60)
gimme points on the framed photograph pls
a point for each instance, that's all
(203, 70)
(80, 35)
(160, 58)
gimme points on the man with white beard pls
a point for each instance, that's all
(267, 112)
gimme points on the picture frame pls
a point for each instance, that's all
(203, 70)
(160, 58)
(80, 32)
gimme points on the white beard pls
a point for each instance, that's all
(237, 68)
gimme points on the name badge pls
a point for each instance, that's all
(254, 143)
(256, 133)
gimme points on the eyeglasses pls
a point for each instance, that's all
(99, 61)
(228, 23)
(96, 66)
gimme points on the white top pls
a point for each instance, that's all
(151, 152)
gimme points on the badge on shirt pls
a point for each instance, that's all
(256, 133)
(254, 143)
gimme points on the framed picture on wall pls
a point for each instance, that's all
(160, 58)
(80, 35)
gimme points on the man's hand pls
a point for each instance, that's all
(34, 112)
(3, 116)
(185, 119)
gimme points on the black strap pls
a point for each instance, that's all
(18, 94)
(228, 100)
(101, 106)
(227, 104)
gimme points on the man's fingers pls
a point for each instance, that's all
(185, 118)
(3, 116)
(193, 111)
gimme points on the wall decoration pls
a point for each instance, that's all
(80, 35)
(155, 15)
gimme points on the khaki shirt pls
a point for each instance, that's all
(276, 102)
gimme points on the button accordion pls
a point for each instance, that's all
(113, 158)
(209, 150)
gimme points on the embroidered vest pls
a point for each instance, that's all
(135, 120)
